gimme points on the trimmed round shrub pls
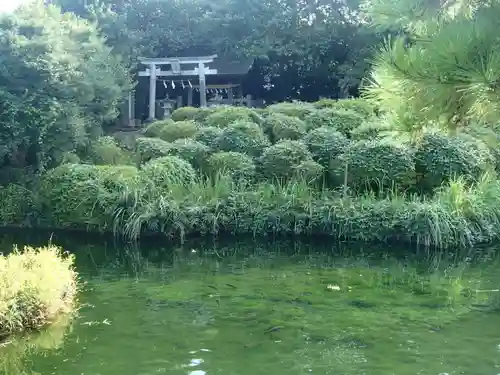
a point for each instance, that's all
(190, 150)
(371, 130)
(309, 170)
(167, 172)
(151, 148)
(105, 151)
(237, 165)
(223, 116)
(244, 137)
(375, 165)
(360, 106)
(154, 129)
(177, 130)
(279, 160)
(325, 144)
(440, 157)
(281, 126)
(208, 135)
(343, 121)
(296, 109)
(81, 195)
(186, 114)
(17, 204)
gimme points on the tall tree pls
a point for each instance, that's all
(58, 84)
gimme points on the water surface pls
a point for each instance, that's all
(276, 308)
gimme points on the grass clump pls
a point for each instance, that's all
(36, 285)
(243, 137)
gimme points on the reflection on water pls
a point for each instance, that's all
(275, 307)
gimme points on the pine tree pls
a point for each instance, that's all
(444, 65)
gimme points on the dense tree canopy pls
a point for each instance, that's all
(304, 49)
(58, 84)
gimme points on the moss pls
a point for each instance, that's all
(244, 137)
(325, 144)
(375, 165)
(279, 160)
(281, 126)
(177, 130)
(224, 116)
(151, 148)
(208, 136)
(37, 285)
(239, 166)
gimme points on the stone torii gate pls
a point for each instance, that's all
(154, 71)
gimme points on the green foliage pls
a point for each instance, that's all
(155, 128)
(344, 121)
(375, 165)
(244, 137)
(70, 158)
(208, 136)
(84, 195)
(309, 171)
(284, 127)
(371, 130)
(165, 172)
(325, 144)
(223, 116)
(37, 285)
(18, 204)
(188, 114)
(151, 148)
(190, 150)
(489, 137)
(172, 131)
(237, 165)
(295, 109)
(60, 83)
(279, 160)
(360, 106)
(440, 157)
(105, 151)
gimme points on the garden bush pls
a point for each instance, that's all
(80, 195)
(36, 286)
(375, 165)
(281, 126)
(440, 157)
(239, 166)
(208, 136)
(224, 116)
(186, 114)
(309, 171)
(105, 151)
(371, 130)
(155, 128)
(244, 137)
(342, 120)
(166, 172)
(296, 109)
(70, 158)
(151, 148)
(360, 106)
(177, 130)
(18, 205)
(325, 144)
(279, 160)
(190, 150)
(488, 136)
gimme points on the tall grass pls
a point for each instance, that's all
(36, 285)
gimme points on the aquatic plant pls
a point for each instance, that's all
(37, 285)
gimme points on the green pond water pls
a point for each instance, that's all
(281, 308)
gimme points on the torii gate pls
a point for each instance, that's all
(153, 71)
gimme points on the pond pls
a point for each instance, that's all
(277, 307)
